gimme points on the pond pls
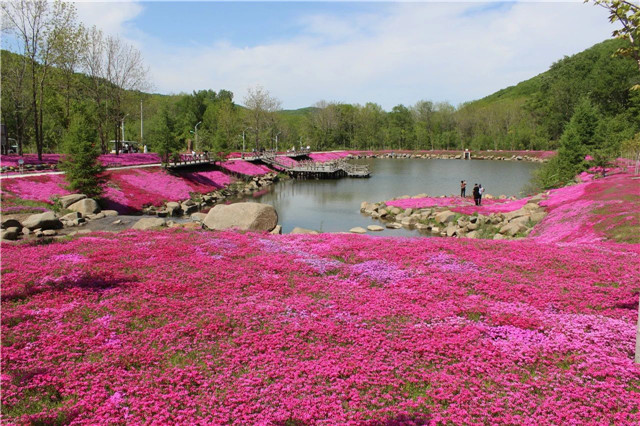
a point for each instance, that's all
(334, 205)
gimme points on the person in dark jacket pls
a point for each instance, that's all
(463, 188)
(476, 194)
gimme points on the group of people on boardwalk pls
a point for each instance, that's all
(478, 190)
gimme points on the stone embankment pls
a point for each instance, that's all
(442, 221)
(77, 210)
(452, 156)
(205, 201)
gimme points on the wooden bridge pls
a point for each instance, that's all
(314, 170)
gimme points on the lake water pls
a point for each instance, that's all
(334, 205)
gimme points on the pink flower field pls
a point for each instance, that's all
(328, 156)
(245, 168)
(209, 327)
(126, 191)
(108, 160)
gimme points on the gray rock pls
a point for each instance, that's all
(67, 200)
(499, 237)
(472, 226)
(26, 231)
(445, 216)
(435, 230)
(148, 223)
(511, 229)
(531, 206)
(422, 226)
(393, 225)
(375, 228)
(95, 216)
(277, 230)
(198, 217)
(514, 214)
(109, 213)
(538, 216)
(363, 206)
(71, 216)
(472, 234)
(187, 209)
(298, 230)
(11, 233)
(116, 222)
(86, 206)
(522, 220)
(395, 211)
(49, 233)
(358, 230)
(11, 223)
(451, 230)
(242, 216)
(46, 220)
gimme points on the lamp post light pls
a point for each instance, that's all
(196, 132)
(243, 132)
(122, 129)
(277, 134)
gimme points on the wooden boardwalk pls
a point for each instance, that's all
(314, 170)
(303, 169)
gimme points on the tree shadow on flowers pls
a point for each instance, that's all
(405, 420)
(75, 279)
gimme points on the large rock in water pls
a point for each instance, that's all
(86, 206)
(242, 216)
(46, 220)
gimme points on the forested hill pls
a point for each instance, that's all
(530, 115)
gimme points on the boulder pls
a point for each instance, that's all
(298, 230)
(67, 200)
(499, 237)
(86, 206)
(198, 217)
(11, 223)
(189, 207)
(277, 230)
(395, 211)
(538, 216)
(243, 216)
(109, 213)
(173, 208)
(11, 233)
(435, 230)
(422, 227)
(531, 206)
(95, 216)
(393, 225)
(363, 206)
(71, 216)
(445, 216)
(511, 229)
(451, 230)
(148, 223)
(49, 233)
(46, 220)
(522, 220)
(472, 234)
(375, 228)
(409, 221)
(358, 230)
(516, 213)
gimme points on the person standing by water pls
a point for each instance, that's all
(463, 188)
(480, 192)
(476, 194)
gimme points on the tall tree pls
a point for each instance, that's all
(38, 25)
(81, 163)
(261, 108)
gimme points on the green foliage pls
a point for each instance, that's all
(164, 135)
(81, 163)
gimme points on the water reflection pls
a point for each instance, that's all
(334, 205)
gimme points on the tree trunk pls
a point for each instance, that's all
(35, 108)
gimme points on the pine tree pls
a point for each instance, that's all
(81, 162)
(163, 137)
(578, 140)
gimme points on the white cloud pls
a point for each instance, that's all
(413, 51)
(111, 16)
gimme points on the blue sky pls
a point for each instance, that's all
(383, 52)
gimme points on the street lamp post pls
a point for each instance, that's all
(277, 134)
(196, 132)
(122, 129)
